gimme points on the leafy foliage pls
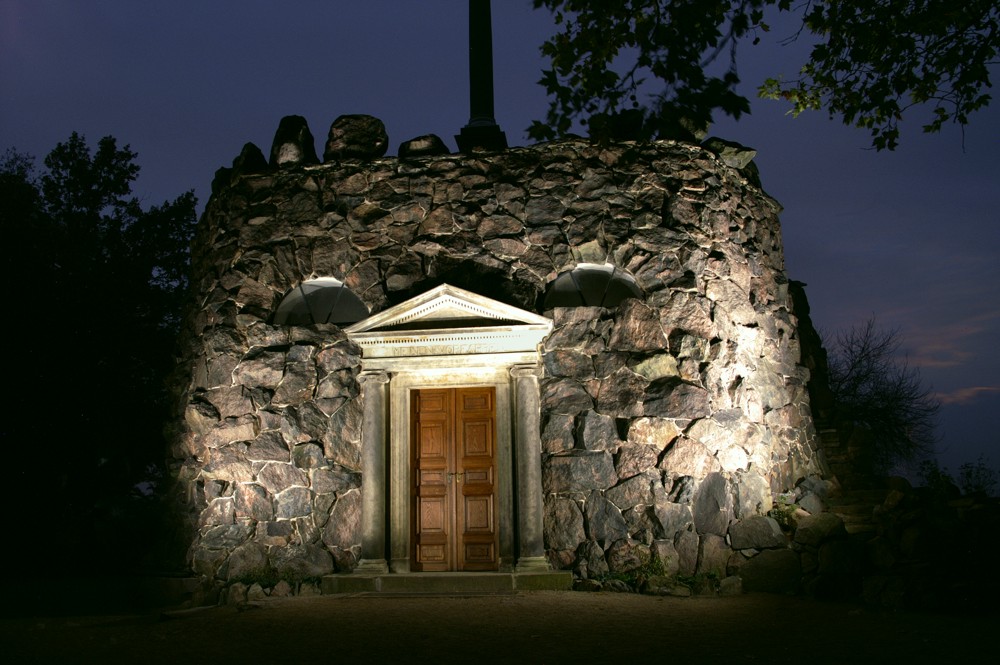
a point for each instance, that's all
(973, 478)
(938, 481)
(876, 59)
(978, 477)
(607, 51)
(876, 390)
(102, 283)
(872, 60)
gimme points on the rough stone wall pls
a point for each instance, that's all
(664, 420)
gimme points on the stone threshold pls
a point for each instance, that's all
(448, 583)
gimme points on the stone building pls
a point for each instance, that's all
(549, 356)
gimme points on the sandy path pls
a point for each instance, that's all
(541, 627)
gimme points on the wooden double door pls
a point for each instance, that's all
(454, 488)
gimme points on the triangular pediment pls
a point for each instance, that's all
(447, 306)
(449, 321)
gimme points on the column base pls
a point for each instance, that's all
(484, 136)
(532, 564)
(371, 567)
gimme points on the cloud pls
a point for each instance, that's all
(952, 344)
(966, 395)
(939, 354)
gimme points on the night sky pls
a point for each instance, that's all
(911, 237)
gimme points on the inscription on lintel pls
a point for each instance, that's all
(445, 349)
(415, 346)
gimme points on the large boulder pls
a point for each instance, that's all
(664, 552)
(626, 555)
(250, 160)
(673, 398)
(657, 433)
(253, 501)
(578, 471)
(293, 143)
(356, 137)
(757, 532)
(557, 432)
(636, 491)
(564, 396)
(753, 495)
(597, 432)
(563, 523)
(301, 562)
(638, 329)
(335, 479)
(277, 477)
(730, 153)
(713, 505)
(292, 502)
(605, 522)
(568, 363)
(814, 530)
(713, 555)
(621, 394)
(428, 145)
(591, 555)
(247, 560)
(269, 446)
(686, 544)
(672, 517)
(634, 458)
(343, 529)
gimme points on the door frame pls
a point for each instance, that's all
(482, 343)
(401, 388)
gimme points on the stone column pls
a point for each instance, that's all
(373, 451)
(528, 444)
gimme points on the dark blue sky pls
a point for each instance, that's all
(912, 237)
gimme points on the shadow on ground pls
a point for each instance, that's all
(530, 627)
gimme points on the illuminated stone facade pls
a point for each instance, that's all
(646, 428)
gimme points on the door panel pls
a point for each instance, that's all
(431, 496)
(454, 511)
(476, 516)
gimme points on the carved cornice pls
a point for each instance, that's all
(463, 334)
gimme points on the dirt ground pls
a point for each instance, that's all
(536, 628)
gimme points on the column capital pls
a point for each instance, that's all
(373, 376)
(525, 371)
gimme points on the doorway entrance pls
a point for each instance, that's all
(454, 483)
(454, 480)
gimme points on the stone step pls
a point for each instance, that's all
(448, 583)
(856, 518)
(874, 497)
(855, 510)
(829, 437)
(855, 528)
(835, 453)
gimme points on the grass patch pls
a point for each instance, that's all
(267, 577)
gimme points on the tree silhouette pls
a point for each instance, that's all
(875, 390)
(872, 60)
(101, 284)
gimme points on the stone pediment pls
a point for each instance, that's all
(447, 321)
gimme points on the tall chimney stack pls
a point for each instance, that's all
(482, 132)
